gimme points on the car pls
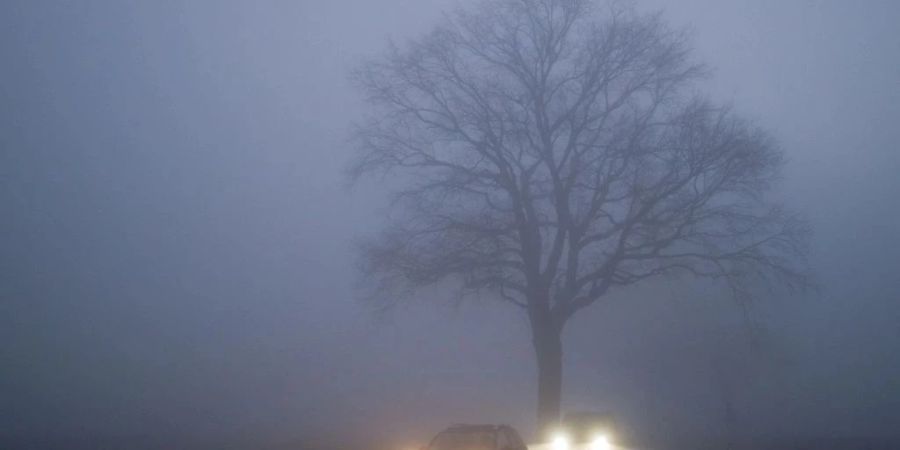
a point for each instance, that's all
(583, 431)
(477, 437)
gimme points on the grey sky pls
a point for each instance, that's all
(176, 235)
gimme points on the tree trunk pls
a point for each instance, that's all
(548, 349)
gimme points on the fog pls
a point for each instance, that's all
(177, 237)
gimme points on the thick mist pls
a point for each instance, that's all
(176, 237)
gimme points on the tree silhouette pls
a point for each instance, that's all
(552, 150)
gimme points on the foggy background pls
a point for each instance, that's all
(176, 236)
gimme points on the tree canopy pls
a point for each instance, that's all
(552, 150)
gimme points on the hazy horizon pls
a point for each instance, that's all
(177, 235)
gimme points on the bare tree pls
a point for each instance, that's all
(553, 150)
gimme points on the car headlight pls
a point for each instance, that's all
(559, 442)
(600, 442)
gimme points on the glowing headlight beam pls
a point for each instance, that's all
(600, 443)
(560, 442)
